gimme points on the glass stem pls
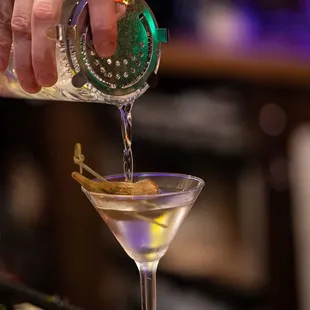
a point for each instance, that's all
(147, 272)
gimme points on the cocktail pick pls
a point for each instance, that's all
(143, 187)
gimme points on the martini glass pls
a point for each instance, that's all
(146, 225)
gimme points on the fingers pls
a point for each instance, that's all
(21, 28)
(34, 54)
(104, 26)
(5, 32)
(46, 13)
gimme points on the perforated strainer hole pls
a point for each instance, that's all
(127, 66)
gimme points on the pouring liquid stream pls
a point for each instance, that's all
(126, 126)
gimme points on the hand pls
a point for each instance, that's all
(24, 22)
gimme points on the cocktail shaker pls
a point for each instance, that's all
(82, 74)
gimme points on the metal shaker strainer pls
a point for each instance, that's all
(133, 67)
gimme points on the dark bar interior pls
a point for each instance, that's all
(232, 107)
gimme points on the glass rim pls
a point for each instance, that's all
(201, 184)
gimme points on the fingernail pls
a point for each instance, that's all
(30, 86)
(47, 79)
(120, 11)
(106, 49)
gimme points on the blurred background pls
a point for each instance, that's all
(232, 107)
